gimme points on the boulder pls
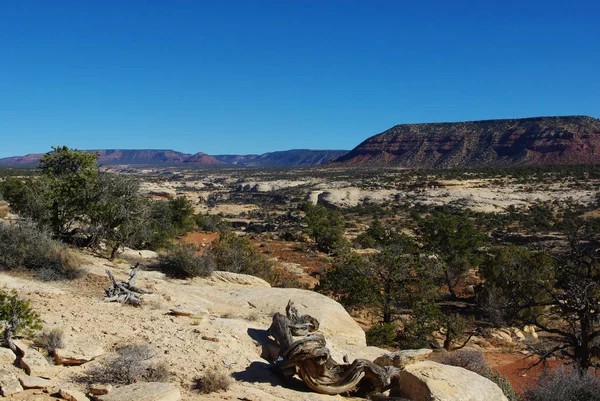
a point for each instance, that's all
(72, 395)
(530, 334)
(7, 357)
(143, 392)
(76, 353)
(432, 381)
(402, 358)
(140, 254)
(34, 382)
(502, 335)
(9, 385)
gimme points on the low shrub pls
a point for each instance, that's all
(182, 262)
(474, 361)
(28, 246)
(564, 385)
(133, 363)
(51, 340)
(212, 381)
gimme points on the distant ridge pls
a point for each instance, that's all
(295, 157)
(153, 157)
(510, 142)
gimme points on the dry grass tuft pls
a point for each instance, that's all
(212, 381)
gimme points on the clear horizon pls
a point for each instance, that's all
(250, 77)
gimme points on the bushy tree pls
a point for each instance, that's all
(559, 295)
(71, 176)
(325, 226)
(454, 240)
(16, 316)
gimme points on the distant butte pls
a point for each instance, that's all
(489, 143)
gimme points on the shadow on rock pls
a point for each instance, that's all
(261, 372)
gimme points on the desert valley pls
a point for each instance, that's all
(443, 259)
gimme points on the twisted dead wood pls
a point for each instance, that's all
(124, 291)
(311, 359)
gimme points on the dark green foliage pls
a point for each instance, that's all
(71, 177)
(454, 240)
(559, 295)
(564, 385)
(16, 317)
(325, 226)
(391, 279)
(382, 335)
(183, 262)
(181, 214)
(417, 330)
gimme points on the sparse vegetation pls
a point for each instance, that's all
(132, 363)
(27, 246)
(567, 385)
(213, 380)
(51, 340)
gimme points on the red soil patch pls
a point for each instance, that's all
(201, 240)
(515, 368)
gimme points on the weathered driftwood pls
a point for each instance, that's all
(311, 360)
(124, 291)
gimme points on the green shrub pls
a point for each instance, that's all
(16, 317)
(182, 262)
(382, 335)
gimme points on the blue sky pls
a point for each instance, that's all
(257, 76)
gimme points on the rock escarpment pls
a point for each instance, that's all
(527, 141)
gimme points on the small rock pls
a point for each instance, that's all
(213, 339)
(72, 395)
(76, 354)
(100, 389)
(7, 357)
(9, 385)
(402, 358)
(530, 334)
(143, 392)
(34, 382)
(193, 312)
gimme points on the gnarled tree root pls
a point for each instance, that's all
(311, 360)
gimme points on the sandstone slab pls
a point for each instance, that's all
(402, 358)
(34, 382)
(76, 353)
(72, 395)
(143, 392)
(9, 385)
(35, 364)
(432, 381)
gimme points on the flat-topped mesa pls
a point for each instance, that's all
(488, 143)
